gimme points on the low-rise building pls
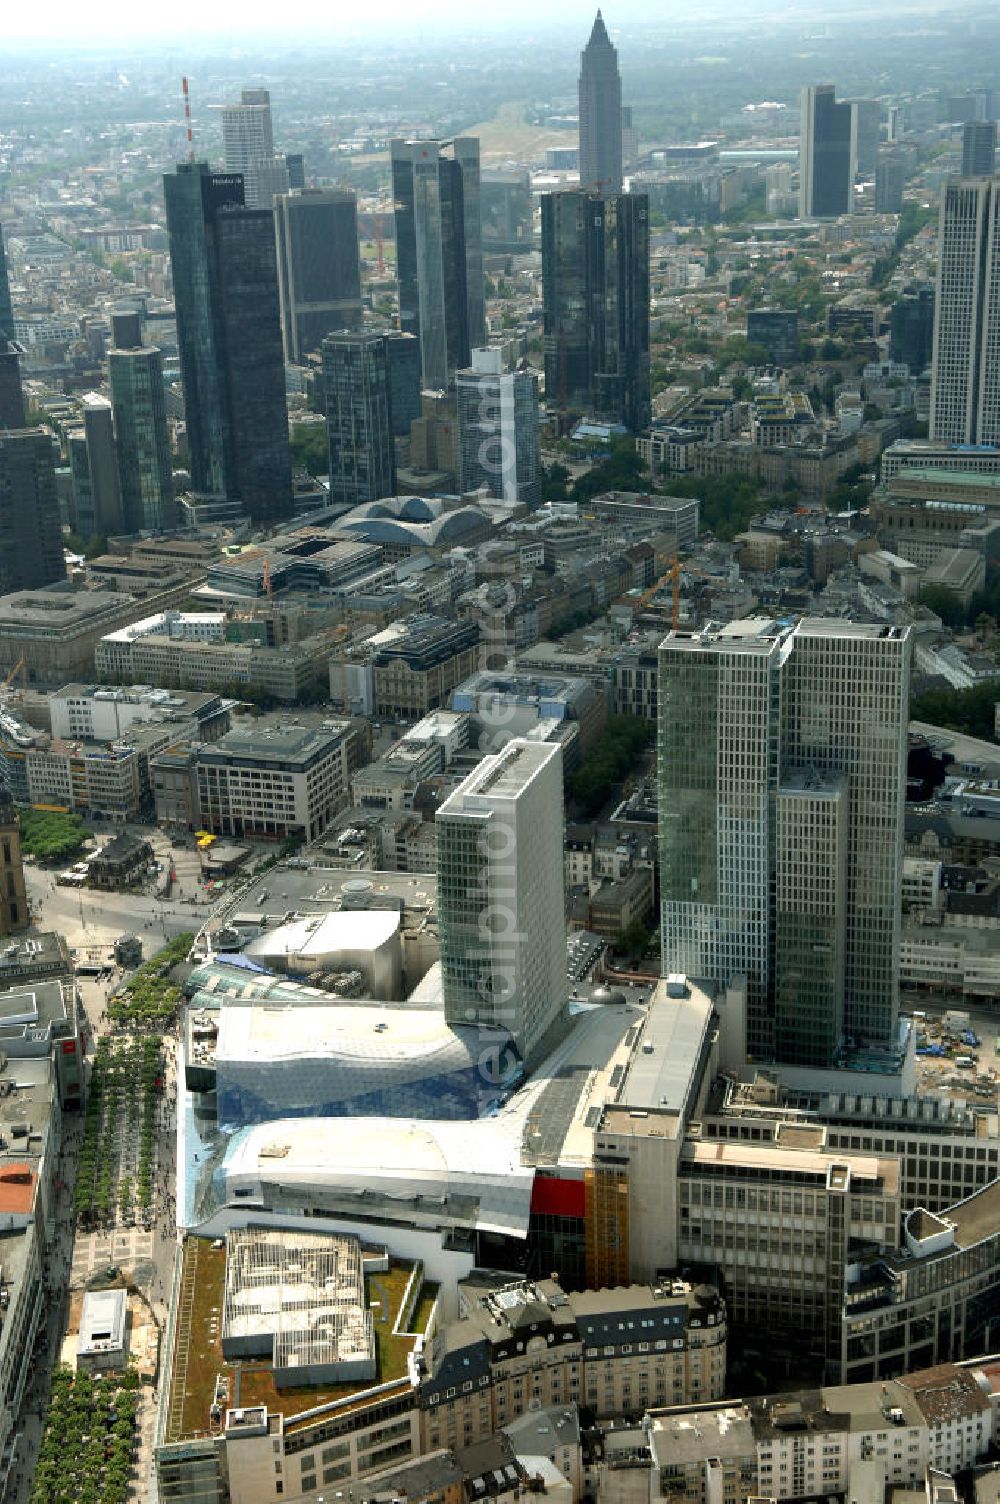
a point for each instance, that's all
(934, 1297)
(121, 862)
(851, 1440)
(55, 633)
(273, 784)
(675, 516)
(405, 670)
(528, 1345)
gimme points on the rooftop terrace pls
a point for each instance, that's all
(198, 1362)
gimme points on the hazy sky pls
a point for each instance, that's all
(66, 21)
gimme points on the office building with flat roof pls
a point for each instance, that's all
(500, 895)
(965, 374)
(224, 264)
(498, 430)
(760, 724)
(825, 157)
(142, 441)
(595, 288)
(319, 275)
(357, 390)
(31, 551)
(439, 254)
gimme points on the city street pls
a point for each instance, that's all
(144, 1253)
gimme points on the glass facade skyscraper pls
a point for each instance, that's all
(229, 337)
(439, 254)
(358, 392)
(782, 778)
(319, 270)
(979, 148)
(600, 93)
(965, 372)
(595, 284)
(11, 392)
(145, 475)
(31, 549)
(825, 153)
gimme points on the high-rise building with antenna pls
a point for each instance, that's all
(600, 113)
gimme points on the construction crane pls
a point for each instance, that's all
(19, 668)
(674, 575)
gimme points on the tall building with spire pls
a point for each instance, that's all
(600, 113)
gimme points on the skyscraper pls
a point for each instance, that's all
(498, 430)
(439, 253)
(782, 777)
(229, 336)
(11, 392)
(145, 477)
(600, 92)
(911, 328)
(979, 148)
(319, 274)
(6, 308)
(500, 895)
(866, 117)
(890, 176)
(248, 146)
(404, 379)
(965, 375)
(31, 553)
(595, 286)
(825, 160)
(102, 464)
(359, 417)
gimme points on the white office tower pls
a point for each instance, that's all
(501, 916)
(248, 148)
(498, 441)
(965, 369)
(782, 780)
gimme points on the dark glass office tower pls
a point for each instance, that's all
(404, 379)
(135, 372)
(439, 253)
(31, 553)
(319, 273)
(359, 417)
(229, 338)
(979, 148)
(600, 113)
(911, 328)
(825, 156)
(595, 283)
(11, 392)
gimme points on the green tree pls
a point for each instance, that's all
(633, 939)
(944, 603)
(308, 446)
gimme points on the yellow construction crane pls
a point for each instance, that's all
(19, 668)
(673, 574)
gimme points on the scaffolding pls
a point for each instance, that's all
(298, 1299)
